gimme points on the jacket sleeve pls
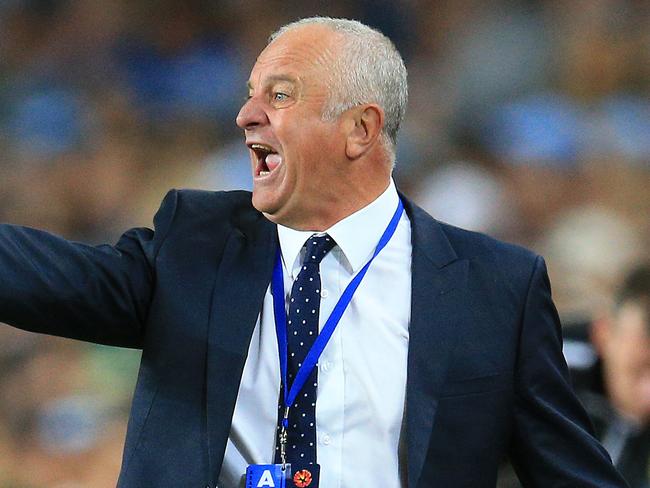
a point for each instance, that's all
(92, 293)
(553, 443)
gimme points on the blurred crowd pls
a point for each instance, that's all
(528, 120)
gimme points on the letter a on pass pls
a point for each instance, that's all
(266, 479)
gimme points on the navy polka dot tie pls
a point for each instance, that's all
(302, 329)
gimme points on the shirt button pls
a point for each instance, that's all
(326, 439)
(324, 293)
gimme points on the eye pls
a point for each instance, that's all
(280, 97)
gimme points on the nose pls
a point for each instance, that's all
(251, 114)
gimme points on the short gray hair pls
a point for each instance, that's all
(368, 70)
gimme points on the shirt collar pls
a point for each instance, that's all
(356, 235)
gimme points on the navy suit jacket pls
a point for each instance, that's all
(486, 376)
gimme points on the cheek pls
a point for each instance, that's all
(308, 158)
(311, 149)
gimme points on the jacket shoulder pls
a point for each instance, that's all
(190, 200)
(444, 242)
(192, 208)
(476, 245)
(503, 265)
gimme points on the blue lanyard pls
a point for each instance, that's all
(277, 289)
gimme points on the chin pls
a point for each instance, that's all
(260, 206)
(265, 204)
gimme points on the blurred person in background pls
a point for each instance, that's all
(615, 389)
(63, 415)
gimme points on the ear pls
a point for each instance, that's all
(364, 128)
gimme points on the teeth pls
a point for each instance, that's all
(262, 147)
(264, 173)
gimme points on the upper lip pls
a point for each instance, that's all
(261, 149)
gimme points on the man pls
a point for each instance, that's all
(446, 358)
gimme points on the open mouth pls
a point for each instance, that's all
(267, 157)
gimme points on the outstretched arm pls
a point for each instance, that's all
(92, 293)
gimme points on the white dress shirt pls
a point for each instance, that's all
(362, 371)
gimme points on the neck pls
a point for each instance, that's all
(336, 208)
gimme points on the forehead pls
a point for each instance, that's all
(302, 52)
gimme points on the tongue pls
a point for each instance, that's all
(273, 161)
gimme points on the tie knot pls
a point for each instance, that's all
(317, 248)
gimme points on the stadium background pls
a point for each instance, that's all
(528, 120)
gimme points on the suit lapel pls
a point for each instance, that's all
(438, 287)
(242, 279)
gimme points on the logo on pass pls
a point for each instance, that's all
(266, 476)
